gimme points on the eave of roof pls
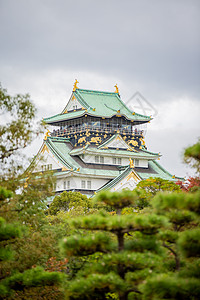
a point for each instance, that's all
(99, 104)
(60, 147)
(159, 172)
(111, 152)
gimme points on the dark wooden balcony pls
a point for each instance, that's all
(84, 128)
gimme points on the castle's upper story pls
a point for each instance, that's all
(92, 117)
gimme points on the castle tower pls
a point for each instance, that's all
(96, 143)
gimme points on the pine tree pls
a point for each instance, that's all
(125, 249)
(182, 239)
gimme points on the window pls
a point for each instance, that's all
(119, 160)
(114, 160)
(89, 185)
(74, 106)
(46, 167)
(49, 167)
(83, 184)
(83, 156)
(64, 185)
(101, 159)
(136, 162)
(96, 159)
(68, 184)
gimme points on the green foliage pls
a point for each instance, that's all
(95, 286)
(130, 261)
(142, 243)
(81, 246)
(33, 277)
(37, 293)
(18, 132)
(8, 231)
(119, 268)
(192, 156)
(171, 287)
(4, 194)
(125, 223)
(26, 207)
(189, 243)
(67, 201)
(147, 189)
(141, 249)
(154, 185)
(30, 278)
(117, 200)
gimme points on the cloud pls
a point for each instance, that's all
(146, 46)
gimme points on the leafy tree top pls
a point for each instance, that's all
(69, 200)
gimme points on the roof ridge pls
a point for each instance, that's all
(97, 91)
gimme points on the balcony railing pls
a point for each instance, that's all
(79, 129)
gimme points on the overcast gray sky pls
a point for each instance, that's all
(150, 46)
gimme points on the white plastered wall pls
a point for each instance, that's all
(75, 182)
(108, 160)
(47, 158)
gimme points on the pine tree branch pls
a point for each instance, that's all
(175, 255)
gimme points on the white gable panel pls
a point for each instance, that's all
(47, 158)
(118, 142)
(129, 182)
(73, 104)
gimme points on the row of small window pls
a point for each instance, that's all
(115, 160)
(99, 159)
(84, 184)
(46, 167)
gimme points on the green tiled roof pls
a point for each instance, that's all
(61, 147)
(156, 171)
(110, 152)
(65, 116)
(159, 172)
(99, 104)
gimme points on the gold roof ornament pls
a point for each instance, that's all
(64, 169)
(116, 89)
(46, 135)
(75, 85)
(131, 163)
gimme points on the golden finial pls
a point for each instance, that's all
(131, 163)
(46, 135)
(75, 85)
(116, 89)
(173, 176)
